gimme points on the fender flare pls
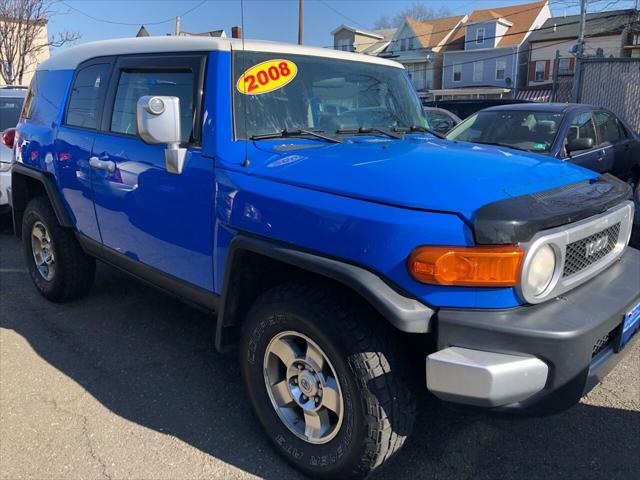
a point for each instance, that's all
(403, 312)
(20, 194)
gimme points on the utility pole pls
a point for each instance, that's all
(554, 88)
(575, 94)
(299, 22)
(177, 26)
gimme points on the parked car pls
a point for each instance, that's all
(11, 99)
(440, 120)
(465, 108)
(588, 136)
(323, 240)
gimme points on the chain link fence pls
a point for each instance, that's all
(612, 83)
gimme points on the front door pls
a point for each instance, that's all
(160, 219)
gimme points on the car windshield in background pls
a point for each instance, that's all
(10, 112)
(276, 92)
(522, 130)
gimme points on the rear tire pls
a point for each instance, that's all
(358, 348)
(58, 266)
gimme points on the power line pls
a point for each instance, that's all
(113, 22)
(342, 14)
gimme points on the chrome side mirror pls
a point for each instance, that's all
(158, 121)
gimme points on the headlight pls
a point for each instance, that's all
(541, 269)
(5, 167)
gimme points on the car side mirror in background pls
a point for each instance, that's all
(158, 121)
(576, 144)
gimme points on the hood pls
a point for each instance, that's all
(419, 173)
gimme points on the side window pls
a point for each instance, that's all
(134, 84)
(608, 129)
(86, 97)
(581, 127)
(30, 101)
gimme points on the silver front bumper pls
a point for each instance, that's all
(484, 379)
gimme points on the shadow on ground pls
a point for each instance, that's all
(150, 359)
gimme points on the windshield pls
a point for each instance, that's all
(523, 130)
(275, 92)
(9, 112)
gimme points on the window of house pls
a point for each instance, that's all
(564, 66)
(539, 71)
(345, 44)
(85, 102)
(457, 72)
(501, 67)
(478, 68)
(636, 38)
(135, 84)
(403, 44)
(480, 36)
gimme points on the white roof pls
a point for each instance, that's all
(70, 58)
(370, 33)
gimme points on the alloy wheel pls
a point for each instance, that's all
(303, 387)
(42, 250)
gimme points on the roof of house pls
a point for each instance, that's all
(597, 24)
(70, 58)
(375, 47)
(142, 32)
(213, 33)
(431, 33)
(521, 17)
(360, 31)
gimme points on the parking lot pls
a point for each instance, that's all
(126, 384)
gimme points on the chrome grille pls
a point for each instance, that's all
(579, 255)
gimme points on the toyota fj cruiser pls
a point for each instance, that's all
(298, 194)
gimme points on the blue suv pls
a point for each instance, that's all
(298, 194)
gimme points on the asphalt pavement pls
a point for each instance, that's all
(126, 384)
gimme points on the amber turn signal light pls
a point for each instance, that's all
(497, 266)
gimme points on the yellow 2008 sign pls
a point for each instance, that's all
(267, 76)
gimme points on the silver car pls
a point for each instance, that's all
(11, 99)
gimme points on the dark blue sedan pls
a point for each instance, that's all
(589, 136)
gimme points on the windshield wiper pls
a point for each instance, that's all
(296, 132)
(364, 130)
(496, 144)
(419, 128)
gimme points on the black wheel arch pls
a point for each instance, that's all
(255, 264)
(28, 183)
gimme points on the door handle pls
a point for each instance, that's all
(107, 165)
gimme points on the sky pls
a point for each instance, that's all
(263, 19)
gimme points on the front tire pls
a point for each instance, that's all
(324, 378)
(58, 266)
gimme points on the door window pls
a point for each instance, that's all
(608, 128)
(134, 84)
(85, 102)
(581, 127)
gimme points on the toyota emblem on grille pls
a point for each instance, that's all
(596, 246)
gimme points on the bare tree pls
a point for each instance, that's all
(418, 11)
(22, 24)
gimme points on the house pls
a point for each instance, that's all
(369, 42)
(419, 46)
(213, 33)
(12, 59)
(607, 34)
(492, 62)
